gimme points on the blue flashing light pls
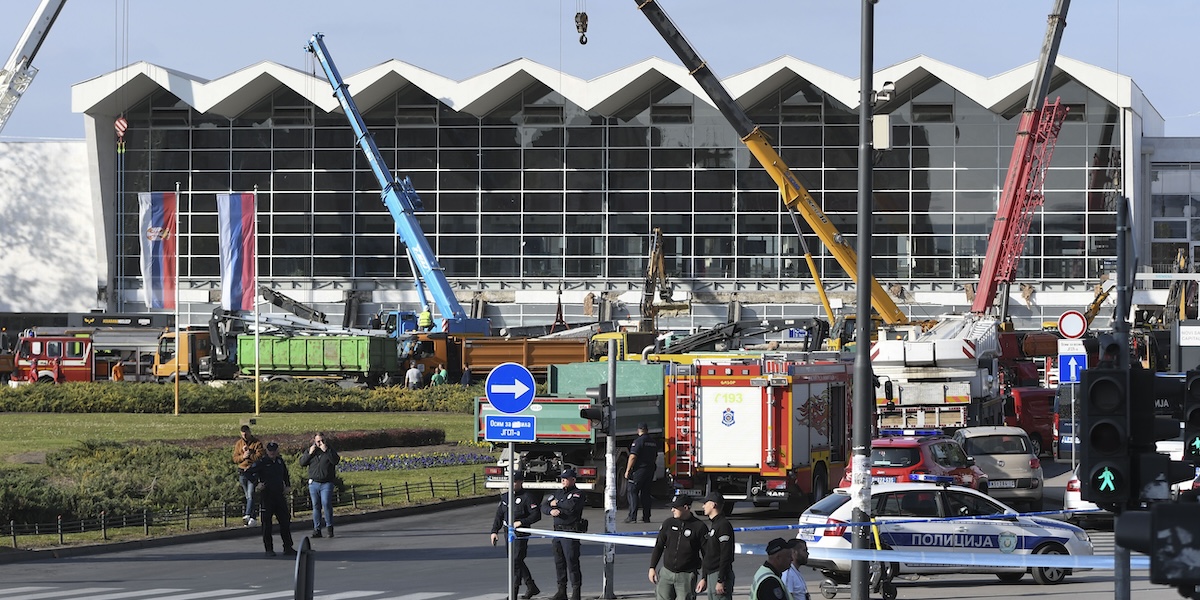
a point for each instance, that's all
(927, 478)
(910, 432)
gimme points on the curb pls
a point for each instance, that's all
(11, 555)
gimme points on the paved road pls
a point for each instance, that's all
(441, 556)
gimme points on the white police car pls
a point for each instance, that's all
(899, 509)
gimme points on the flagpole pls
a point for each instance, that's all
(177, 344)
(257, 324)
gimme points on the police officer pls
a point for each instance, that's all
(640, 473)
(718, 549)
(566, 506)
(525, 513)
(270, 474)
(679, 544)
(768, 584)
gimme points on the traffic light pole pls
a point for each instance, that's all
(1121, 569)
(610, 474)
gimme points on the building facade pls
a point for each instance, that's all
(540, 187)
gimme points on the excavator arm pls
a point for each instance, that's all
(795, 196)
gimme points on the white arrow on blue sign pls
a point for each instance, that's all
(509, 388)
(1069, 367)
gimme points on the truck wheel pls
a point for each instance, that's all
(820, 484)
(727, 507)
(622, 483)
(1035, 440)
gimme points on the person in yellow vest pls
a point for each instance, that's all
(425, 320)
(767, 583)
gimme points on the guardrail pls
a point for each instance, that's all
(357, 497)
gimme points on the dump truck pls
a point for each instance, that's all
(562, 438)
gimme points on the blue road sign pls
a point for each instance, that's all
(509, 387)
(1069, 367)
(509, 428)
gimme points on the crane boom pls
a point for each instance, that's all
(1037, 133)
(402, 202)
(795, 196)
(18, 72)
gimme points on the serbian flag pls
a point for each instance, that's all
(158, 218)
(235, 220)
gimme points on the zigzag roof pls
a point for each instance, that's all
(231, 94)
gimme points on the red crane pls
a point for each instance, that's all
(1023, 194)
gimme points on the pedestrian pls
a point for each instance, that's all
(718, 549)
(639, 473)
(566, 506)
(118, 371)
(425, 320)
(680, 545)
(792, 579)
(412, 378)
(439, 376)
(247, 451)
(525, 513)
(465, 379)
(271, 478)
(321, 461)
(767, 584)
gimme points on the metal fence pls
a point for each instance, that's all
(188, 518)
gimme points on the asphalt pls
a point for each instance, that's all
(13, 555)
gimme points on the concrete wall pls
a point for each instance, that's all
(47, 239)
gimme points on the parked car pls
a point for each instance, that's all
(900, 453)
(1008, 457)
(918, 517)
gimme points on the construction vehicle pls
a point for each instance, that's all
(767, 430)
(958, 372)
(402, 202)
(727, 337)
(794, 195)
(19, 71)
(656, 284)
(562, 438)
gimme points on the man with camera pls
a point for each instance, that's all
(566, 506)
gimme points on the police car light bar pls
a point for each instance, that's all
(927, 478)
(919, 432)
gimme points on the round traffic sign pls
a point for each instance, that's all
(509, 387)
(1072, 324)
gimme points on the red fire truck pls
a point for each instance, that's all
(65, 355)
(764, 430)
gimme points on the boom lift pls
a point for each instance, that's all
(402, 202)
(18, 72)
(1037, 133)
(795, 196)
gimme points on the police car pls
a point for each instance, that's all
(901, 510)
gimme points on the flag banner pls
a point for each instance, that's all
(157, 212)
(235, 219)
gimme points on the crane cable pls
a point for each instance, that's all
(121, 59)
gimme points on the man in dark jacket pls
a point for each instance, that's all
(566, 506)
(525, 513)
(639, 472)
(767, 584)
(718, 550)
(321, 461)
(271, 477)
(680, 544)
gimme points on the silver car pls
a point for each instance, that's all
(1006, 455)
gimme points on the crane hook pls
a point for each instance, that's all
(581, 20)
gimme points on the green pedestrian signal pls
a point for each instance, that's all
(1105, 480)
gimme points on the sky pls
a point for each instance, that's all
(1148, 40)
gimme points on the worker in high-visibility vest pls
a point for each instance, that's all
(425, 320)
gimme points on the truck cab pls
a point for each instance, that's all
(1032, 409)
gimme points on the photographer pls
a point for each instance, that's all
(321, 461)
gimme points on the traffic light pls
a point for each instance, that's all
(1105, 473)
(1155, 472)
(1165, 533)
(1191, 417)
(600, 411)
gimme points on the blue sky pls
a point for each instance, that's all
(1149, 40)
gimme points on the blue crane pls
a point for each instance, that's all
(403, 202)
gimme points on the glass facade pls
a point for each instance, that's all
(540, 189)
(1174, 215)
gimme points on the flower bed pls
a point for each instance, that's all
(410, 461)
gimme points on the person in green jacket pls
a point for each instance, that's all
(439, 376)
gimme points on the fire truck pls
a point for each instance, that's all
(67, 355)
(767, 430)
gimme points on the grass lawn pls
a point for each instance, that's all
(44, 432)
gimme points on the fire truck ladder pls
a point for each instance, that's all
(684, 425)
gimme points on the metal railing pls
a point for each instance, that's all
(187, 518)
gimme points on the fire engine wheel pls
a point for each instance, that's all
(45, 379)
(820, 485)
(622, 482)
